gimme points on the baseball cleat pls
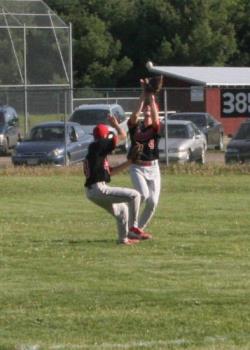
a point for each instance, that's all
(137, 233)
(128, 241)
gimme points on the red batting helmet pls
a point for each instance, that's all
(100, 131)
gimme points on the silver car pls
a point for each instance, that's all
(211, 128)
(185, 142)
(9, 129)
(90, 115)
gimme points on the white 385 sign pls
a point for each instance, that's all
(235, 103)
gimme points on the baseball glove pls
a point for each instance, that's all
(136, 152)
(152, 85)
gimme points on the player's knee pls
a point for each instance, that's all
(121, 213)
(144, 197)
(136, 195)
(151, 203)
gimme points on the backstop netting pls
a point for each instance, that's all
(35, 61)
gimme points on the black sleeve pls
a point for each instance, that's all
(106, 146)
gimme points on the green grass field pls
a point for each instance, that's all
(66, 284)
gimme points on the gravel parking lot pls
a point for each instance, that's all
(212, 157)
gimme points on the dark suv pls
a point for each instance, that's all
(238, 148)
(9, 129)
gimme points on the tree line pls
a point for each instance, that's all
(113, 39)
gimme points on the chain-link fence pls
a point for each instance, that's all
(169, 100)
(49, 103)
(127, 98)
(34, 43)
(36, 61)
(41, 105)
(178, 99)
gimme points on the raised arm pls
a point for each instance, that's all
(154, 111)
(121, 134)
(136, 113)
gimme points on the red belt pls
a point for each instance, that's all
(144, 162)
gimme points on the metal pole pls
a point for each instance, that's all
(65, 141)
(58, 47)
(65, 126)
(71, 69)
(166, 126)
(57, 102)
(7, 97)
(66, 96)
(25, 80)
(13, 46)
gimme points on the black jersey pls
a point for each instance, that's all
(148, 137)
(96, 166)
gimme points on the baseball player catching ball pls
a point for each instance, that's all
(122, 203)
(144, 170)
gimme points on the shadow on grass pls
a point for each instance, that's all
(75, 241)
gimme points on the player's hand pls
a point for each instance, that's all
(142, 83)
(113, 121)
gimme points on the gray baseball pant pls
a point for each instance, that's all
(147, 181)
(122, 203)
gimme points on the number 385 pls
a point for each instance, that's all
(236, 102)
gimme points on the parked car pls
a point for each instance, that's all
(46, 145)
(91, 115)
(185, 143)
(211, 127)
(9, 129)
(238, 148)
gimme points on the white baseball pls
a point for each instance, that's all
(149, 65)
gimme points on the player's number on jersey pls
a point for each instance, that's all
(238, 103)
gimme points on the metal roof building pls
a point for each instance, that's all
(222, 91)
(207, 76)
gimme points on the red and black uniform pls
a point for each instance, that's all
(148, 137)
(122, 203)
(96, 166)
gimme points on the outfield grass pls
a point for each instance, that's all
(66, 284)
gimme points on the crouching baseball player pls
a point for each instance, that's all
(122, 203)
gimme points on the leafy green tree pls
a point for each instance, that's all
(11, 67)
(240, 18)
(207, 35)
(143, 30)
(114, 39)
(97, 54)
(179, 32)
